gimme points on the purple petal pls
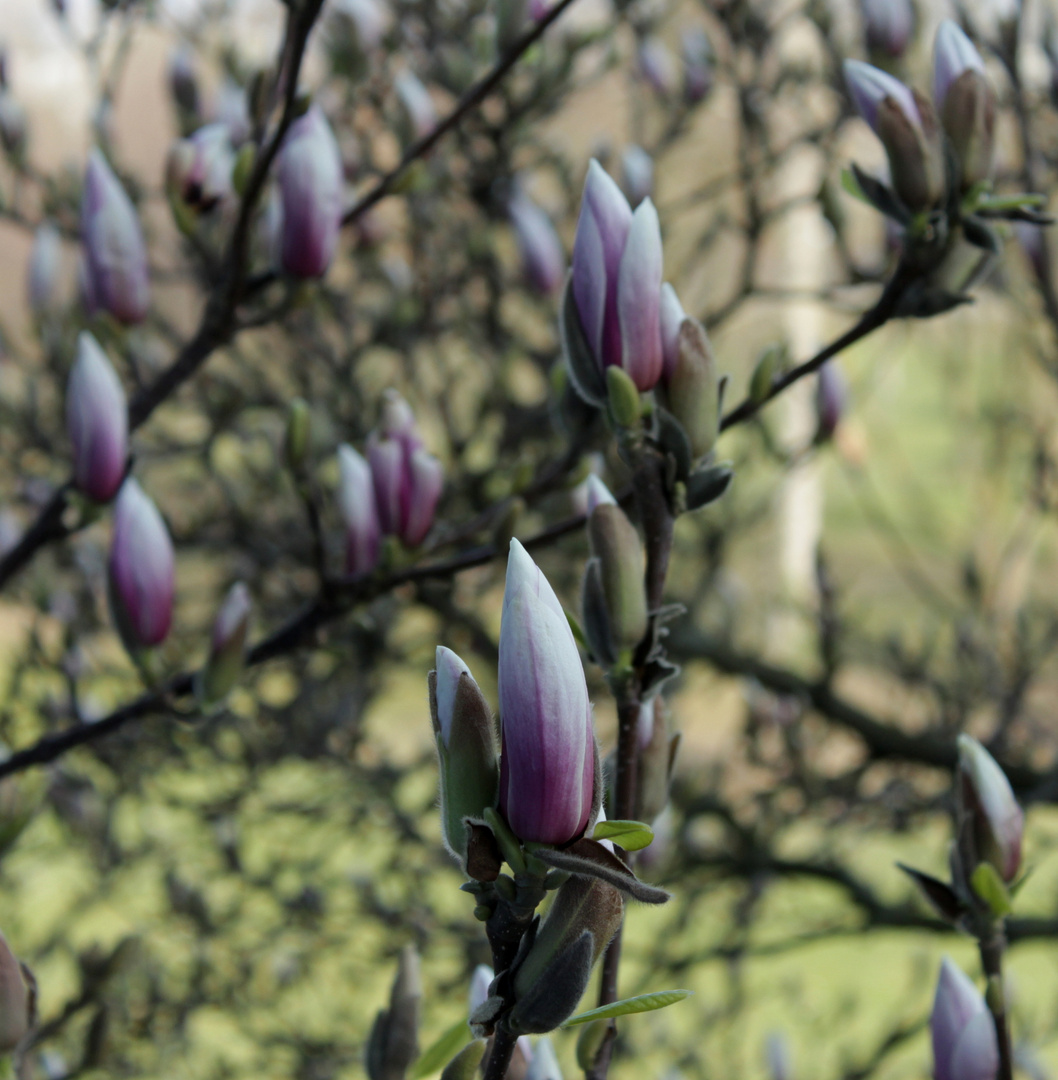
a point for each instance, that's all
(672, 316)
(425, 480)
(232, 617)
(976, 1052)
(449, 670)
(955, 1004)
(953, 53)
(639, 298)
(387, 472)
(543, 259)
(598, 494)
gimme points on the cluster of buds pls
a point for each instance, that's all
(986, 856)
(312, 190)
(141, 572)
(532, 805)
(625, 333)
(114, 277)
(17, 1000)
(913, 129)
(394, 492)
(96, 422)
(962, 1029)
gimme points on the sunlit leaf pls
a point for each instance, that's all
(439, 1053)
(643, 1003)
(631, 835)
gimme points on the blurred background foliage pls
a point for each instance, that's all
(226, 895)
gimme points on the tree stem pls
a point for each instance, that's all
(992, 947)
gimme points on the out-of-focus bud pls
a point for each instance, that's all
(831, 397)
(554, 974)
(466, 745)
(13, 127)
(231, 109)
(96, 422)
(312, 185)
(183, 80)
(616, 288)
(657, 754)
(888, 26)
(1032, 242)
(543, 260)
(356, 501)
(993, 818)
(907, 126)
(623, 397)
(693, 389)
(420, 114)
(407, 478)
(141, 570)
(480, 982)
(227, 649)
(394, 1041)
(637, 174)
(298, 434)
(544, 1065)
(962, 1029)
(16, 1000)
(615, 602)
(355, 29)
(658, 67)
(965, 101)
(467, 1063)
(114, 252)
(698, 75)
(198, 170)
(548, 763)
(43, 272)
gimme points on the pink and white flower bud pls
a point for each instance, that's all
(13, 127)
(962, 1029)
(697, 53)
(311, 183)
(96, 422)
(598, 494)
(616, 281)
(227, 653)
(888, 25)
(43, 271)
(407, 478)
(547, 768)
(356, 502)
(543, 260)
(199, 169)
(115, 257)
(831, 397)
(15, 1000)
(966, 102)
(997, 820)
(658, 66)
(419, 110)
(141, 569)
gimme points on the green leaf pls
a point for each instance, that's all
(852, 186)
(578, 632)
(1011, 202)
(990, 888)
(439, 1053)
(631, 835)
(643, 1003)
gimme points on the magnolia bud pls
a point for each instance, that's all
(356, 501)
(993, 820)
(43, 271)
(543, 259)
(907, 126)
(298, 434)
(554, 974)
(544, 1065)
(96, 422)
(637, 174)
(466, 745)
(199, 169)
(672, 316)
(548, 767)
(16, 1000)
(12, 125)
(311, 183)
(618, 579)
(141, 570)
(698, 75)
(420, 115)
(962, 1029)
(227, 653)
(888, 25)
(114, 252)
(183, 82)
(966, 102)
(230, 108)
(658, 67)
(830, 400)
(693, 389)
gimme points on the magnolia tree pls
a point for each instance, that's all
(433, 342)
